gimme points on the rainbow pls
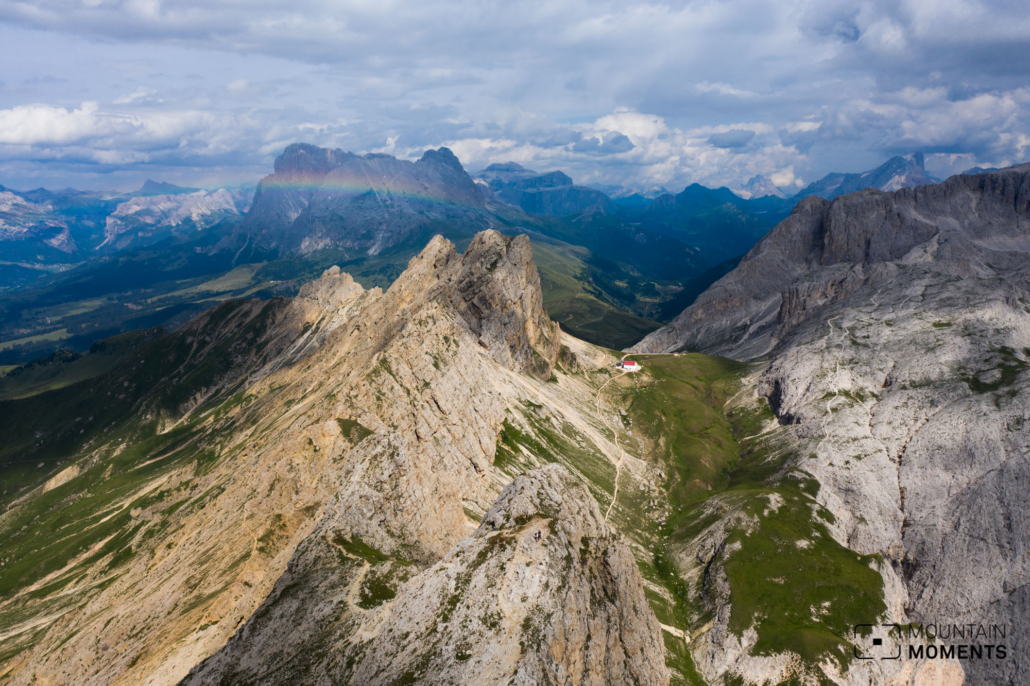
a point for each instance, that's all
(333, 184)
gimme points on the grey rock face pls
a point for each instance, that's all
(966, 226)
(21, 218)
(544, 591)
(760, 187)
(897, 330)
(319, 198)
(151, 216)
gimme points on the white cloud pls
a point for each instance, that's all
(723, 89)
(35, 124)
(834, 85)
(138, 95)
(785, 177)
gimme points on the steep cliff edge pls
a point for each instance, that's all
(894, 333)
(320, 198)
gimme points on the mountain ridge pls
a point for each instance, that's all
(891, 339)
(550, 194)
(902, 171)
(369, 416)
(318, 198)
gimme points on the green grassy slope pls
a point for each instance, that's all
(789, 579)
(572, 302)
(110, 435)
(64, 368)
(712, 472)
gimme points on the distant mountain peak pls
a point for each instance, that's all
(442, 156)
(915, 158)
(551, 193)
(507, 167)
(972, 171)
(151, 187)
(900, 171)
(759, 187)
(319, 198)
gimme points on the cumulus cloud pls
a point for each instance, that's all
(36, 124)
(604, 144)
(632, 93)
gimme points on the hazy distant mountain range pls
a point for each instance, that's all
(552, 194)
(898, 172)
(614, 269)
(317, 198)
(43, 231)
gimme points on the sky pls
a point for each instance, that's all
(628, 95)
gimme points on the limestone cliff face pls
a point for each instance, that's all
(897, 337)
(968, 226)
(346, 445)
(498, 294)
(319, 198)
(495, 289)
(542, 592)
(151, 217)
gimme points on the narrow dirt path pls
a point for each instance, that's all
(355, 585)
(352, 593)
(615, 434)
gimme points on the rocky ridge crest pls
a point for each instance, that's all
(895, 334)
(351, 455)
(541, 592)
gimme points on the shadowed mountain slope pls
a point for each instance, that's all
(320, 198)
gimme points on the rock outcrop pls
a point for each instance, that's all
(542, 592)
(896, 332)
